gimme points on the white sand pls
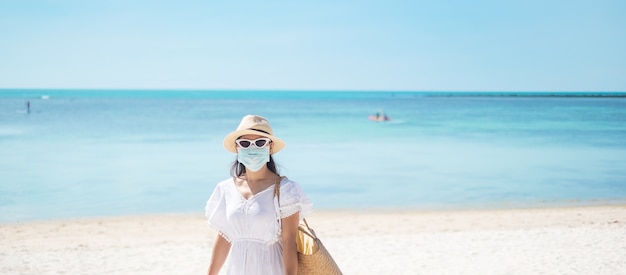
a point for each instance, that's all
(578, 240)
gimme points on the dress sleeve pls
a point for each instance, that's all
(293, 200)
(215, 211)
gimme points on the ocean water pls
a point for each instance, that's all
(100, 153)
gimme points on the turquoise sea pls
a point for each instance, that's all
(84, 153)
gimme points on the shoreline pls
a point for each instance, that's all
(564, 240)
(501, 206)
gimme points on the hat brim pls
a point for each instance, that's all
(230, 145)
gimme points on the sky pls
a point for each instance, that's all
(363, 45)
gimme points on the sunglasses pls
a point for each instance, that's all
(259, 142)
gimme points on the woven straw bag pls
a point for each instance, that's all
(313, 258)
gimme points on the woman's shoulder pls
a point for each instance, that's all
(293, 199)
(226, 181)
(218, 195)
(287, 183)
(290, 187)
(223, 184)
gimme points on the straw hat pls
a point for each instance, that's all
(253, 125)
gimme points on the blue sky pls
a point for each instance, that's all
(314, 45)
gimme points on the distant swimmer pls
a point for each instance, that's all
(380, 116)
(28, 107)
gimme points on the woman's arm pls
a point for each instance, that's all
(288, 239)
(218, 257)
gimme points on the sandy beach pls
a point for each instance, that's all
(566, 240)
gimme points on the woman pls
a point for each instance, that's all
(257, 233)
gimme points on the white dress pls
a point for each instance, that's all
(252, 225)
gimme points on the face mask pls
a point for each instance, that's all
(253, 158)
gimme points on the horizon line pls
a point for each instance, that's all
(308, 90)
(146, 93)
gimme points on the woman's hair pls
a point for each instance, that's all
(238, 169)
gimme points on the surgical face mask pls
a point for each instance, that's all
(253, 158)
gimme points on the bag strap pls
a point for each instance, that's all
(277, 199)
(307, 225)
(308, 231)
(277, 188)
